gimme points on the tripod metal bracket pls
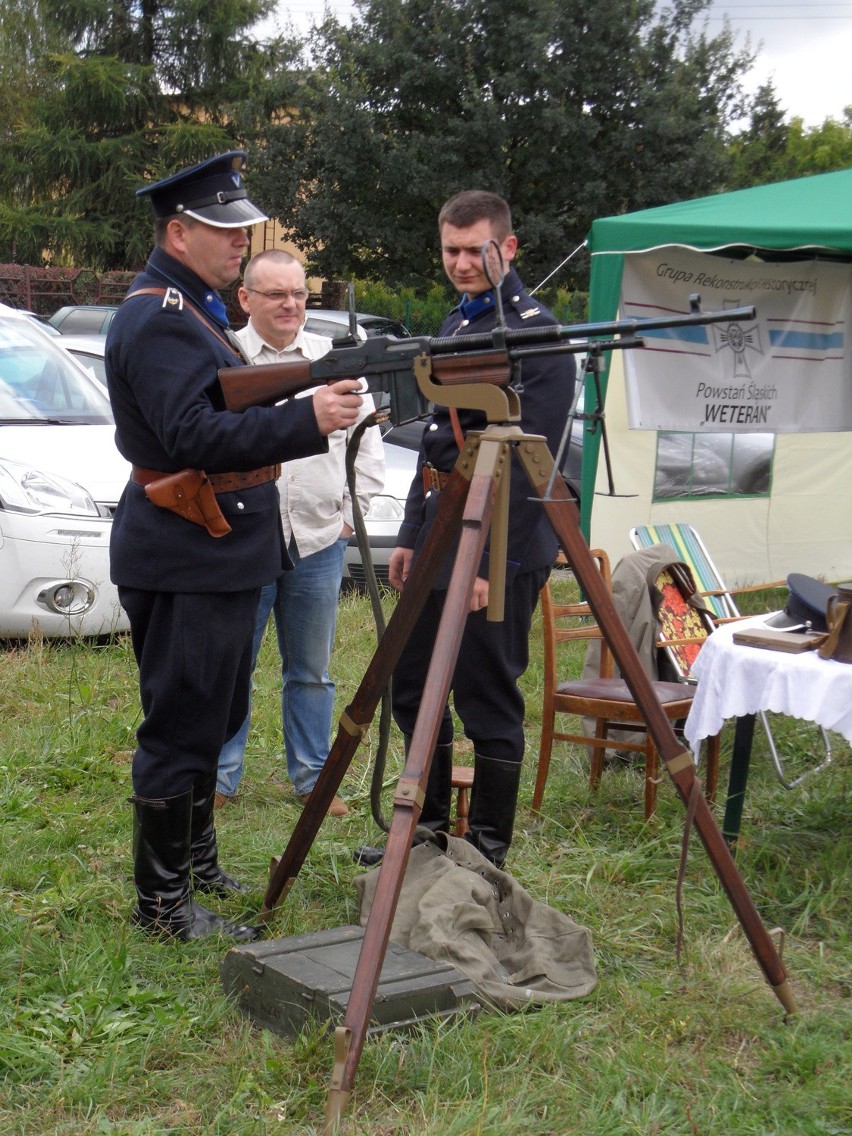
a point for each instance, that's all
(408, 792)
(498, 403)
(338, 1096)
(679, 762)
(354, 729)
(537, 459)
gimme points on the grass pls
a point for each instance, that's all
(103, 1031)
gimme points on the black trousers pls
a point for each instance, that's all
(194, 656)
(492, 657)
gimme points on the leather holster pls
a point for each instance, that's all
(189, 494)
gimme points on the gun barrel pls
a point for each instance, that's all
(386, 362)
(626, 327)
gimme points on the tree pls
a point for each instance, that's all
(570, 109)
(771, 149)
(143, 87)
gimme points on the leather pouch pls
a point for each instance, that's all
(189, 494)
(838, 644)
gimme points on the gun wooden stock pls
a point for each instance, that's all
(264, 385)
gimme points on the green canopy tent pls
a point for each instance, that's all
(808, 218)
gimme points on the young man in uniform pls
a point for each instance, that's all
(191, 589)
(492, 656)
(316, 515)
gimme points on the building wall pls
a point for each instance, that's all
(272, 235)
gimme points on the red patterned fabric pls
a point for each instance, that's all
(679, 621)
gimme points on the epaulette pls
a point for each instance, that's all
(173, 300)
(172, 297)
(524, 307)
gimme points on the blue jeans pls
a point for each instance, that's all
(304, 604)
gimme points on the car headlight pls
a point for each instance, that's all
(24, 489)
(384, 508)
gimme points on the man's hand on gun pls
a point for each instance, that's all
(336, 405)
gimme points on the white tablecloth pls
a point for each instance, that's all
(734, 680)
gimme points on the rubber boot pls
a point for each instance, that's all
(161, 848)
(435, 813)
(493, 800)
(207, 876)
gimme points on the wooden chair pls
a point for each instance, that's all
(603, 698)
(462, 782)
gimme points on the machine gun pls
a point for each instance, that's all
(441, 364)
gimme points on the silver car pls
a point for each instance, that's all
(60, 480)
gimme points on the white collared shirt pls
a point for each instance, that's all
(315, 500)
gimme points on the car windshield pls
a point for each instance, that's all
(40, 383)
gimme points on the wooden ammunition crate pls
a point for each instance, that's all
(285, 983)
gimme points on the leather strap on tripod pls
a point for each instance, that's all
(457, 430)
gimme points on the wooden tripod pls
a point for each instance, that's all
(475, 500)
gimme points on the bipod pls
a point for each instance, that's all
(474, 500)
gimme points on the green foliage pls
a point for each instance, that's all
(105, 1032)
(138, 91)
(424, 314)
(570, 109)
(772, 149)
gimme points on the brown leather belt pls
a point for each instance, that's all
(220, 482)
(433, 478)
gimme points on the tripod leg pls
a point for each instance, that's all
(563, 515)
(359, 713)
(351, 1035)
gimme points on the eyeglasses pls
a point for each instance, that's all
(298, 294)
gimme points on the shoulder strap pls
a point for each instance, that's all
(189, 307)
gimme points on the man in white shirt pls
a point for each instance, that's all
(316, 514)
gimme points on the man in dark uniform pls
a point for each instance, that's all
(191, 590)
(492, 656)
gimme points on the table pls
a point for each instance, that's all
(738, 682)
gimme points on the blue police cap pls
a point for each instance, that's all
(211, 191)
(806, 604)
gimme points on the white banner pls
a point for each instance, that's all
(788, 370)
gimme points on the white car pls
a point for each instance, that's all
(387, 509)
(88, 350)
(60, 480)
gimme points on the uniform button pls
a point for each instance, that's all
(240, 505)
(515, 299)
(433, 426)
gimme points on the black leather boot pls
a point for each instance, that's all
(207, 876)
(435, 813)
(161, 846)
(493, 800)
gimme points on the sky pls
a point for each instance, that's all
(806, 47)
